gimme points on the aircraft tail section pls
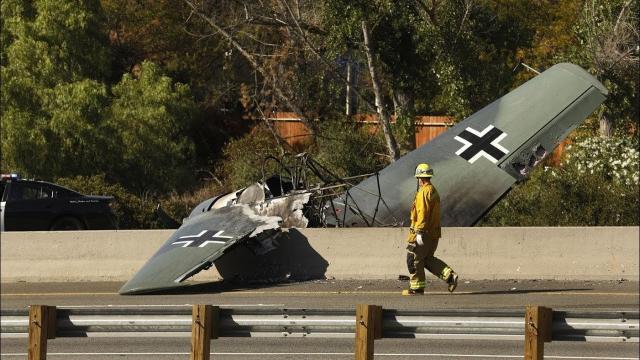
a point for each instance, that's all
(571, 95)
(478, 160)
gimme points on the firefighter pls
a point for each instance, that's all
(424, 235)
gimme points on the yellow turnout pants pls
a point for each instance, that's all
(420, 257)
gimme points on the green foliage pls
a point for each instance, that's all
(59, 117)
(132, 211)
(179, 205)
(50, 86)
(77, 135)
(404, 132)
(446, 57)
(596, 185)
(149, 116)
(157, 31)
(56, 41)
(403, 62)
(348, 150)
(478, 49)
(244, 157)
(344, 148)
(75, 42)
(554, 35)
(68, 112)
(607, 39)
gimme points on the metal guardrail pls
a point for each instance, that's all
(609, 326)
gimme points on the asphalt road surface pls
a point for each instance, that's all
(313, 348)
(601, 295)
(559, 295)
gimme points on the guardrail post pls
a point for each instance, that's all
(366, 320)
(201, 328)
(537, 331)
(42, 326)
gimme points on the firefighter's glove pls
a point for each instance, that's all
(419, 239)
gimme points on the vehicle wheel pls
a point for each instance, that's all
(67, 223)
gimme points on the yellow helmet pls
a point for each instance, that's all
(424, 171)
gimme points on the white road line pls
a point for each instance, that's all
(262, 354)
(159, 306)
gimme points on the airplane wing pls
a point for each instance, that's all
(212, 229)
(478, 160)
(196, 245)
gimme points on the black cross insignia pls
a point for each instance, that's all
(485, 143)
(201, 239)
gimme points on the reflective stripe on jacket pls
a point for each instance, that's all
(425, 213)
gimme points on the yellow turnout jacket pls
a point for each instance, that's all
(425, 213)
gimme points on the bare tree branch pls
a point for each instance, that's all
(621, 15)
(383, 115)
(250, 36)
(252, 60)
(263, 20)
(329, 66)
(468, 4)
(612, 41)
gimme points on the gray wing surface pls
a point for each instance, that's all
(478, 160)
(201, 240)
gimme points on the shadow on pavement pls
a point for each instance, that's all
(522, 291)
(214, 287)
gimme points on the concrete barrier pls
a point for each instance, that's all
(567, 253)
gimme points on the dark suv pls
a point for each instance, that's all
(32, 205)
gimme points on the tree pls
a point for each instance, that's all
(476, 44)
(245, 156)
(52, 93)
(554, 35)
(435, 57)
(156, 31)
(609, 41)
(149, 115)
(239, 29)
(347, 149)
(62, 118)
(381, 108)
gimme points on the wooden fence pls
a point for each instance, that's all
(296, 134)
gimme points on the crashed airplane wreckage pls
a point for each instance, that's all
(477, 161)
